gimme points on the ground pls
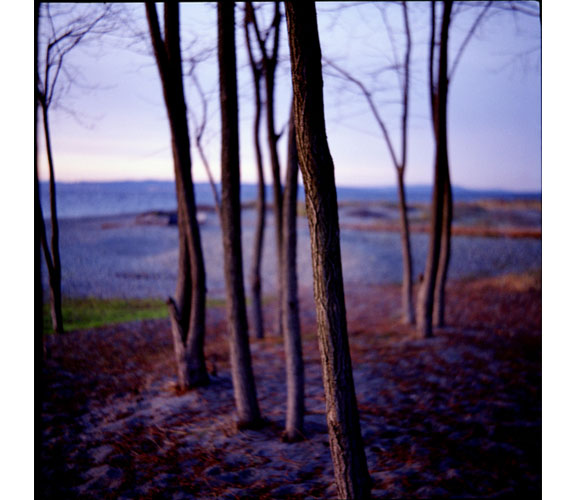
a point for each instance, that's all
(458, 415)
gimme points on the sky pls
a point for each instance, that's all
(119, 129)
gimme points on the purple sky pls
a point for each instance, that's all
(494, 103)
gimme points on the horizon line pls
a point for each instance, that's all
(352, 186)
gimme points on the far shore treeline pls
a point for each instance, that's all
(82, 199)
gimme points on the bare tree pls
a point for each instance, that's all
(242, 374)
(447, 218)
(441, 171)
(269, 59)
(431, 300)
(188, 309)
(61, 30)
(255, 273)
(399, 158)
(38, 219)
(294, 430)
(350, 466)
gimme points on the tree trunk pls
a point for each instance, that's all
(270, 65)
(38, 217)
(426, 293)
(255, 274)
(278, 201)
(242, 374)
(291, 330)
(178, 336)
(184, 280)
(407, 286)
(269, 73)
(189, 308)
(350, 466)
(444, 254)
(55, 269)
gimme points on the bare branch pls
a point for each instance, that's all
(268, 58)
(58, 43)
(249, 17)
(388, 29)
(432, 87)
(276, 26)
(372, 106)
(406, 66)
(520, 7)
(254, 22)
(199, 129)
(468, 37)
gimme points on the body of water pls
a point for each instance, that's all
(85, 199)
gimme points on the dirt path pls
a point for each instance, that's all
(457, 415)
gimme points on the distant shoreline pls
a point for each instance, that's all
(426, 188)
(135, 197)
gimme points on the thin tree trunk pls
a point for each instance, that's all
(55, 270)
(189, 308)
(269, 65)
(38, 217)
(444, 255)
(178, 336)
(425, 297)
(399, 162)
(294, 430)
(277, 190)
(346, 443)
(439, 108)
(242, 374)
(407, 286)
(183, 295)
(255, 274)
(447, 206)
(206, 164)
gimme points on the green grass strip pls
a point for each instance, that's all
(79, 314)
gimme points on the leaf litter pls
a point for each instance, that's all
(455, 415)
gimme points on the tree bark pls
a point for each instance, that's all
(190, 302)
(277, 189)
(255, 274)
(55, 269)
(407, 283)
(178, 336)
(350, 466)
(242, 374)
(439, 110)
(294, 430)
(444, 254)
(38, 217)
(407, 287)
(447, 202)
